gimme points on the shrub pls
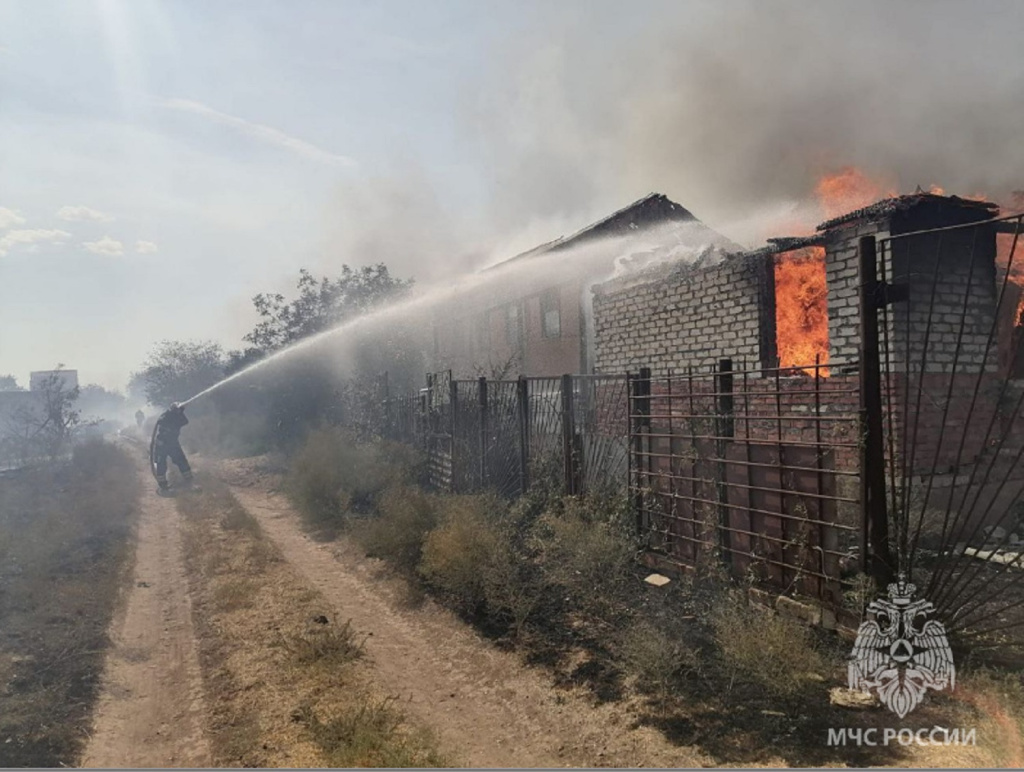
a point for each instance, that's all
(326, 644)
(456, 555)
(405, 515)
(372, 733)
(332, 473)
(584, 550)
(762, 647)
(656, 658)
(512, 588)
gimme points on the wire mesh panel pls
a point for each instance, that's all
(951, 359)
(467, 475)
(602, 425)
(436, 424)
(757, 467)
(503, 466)
(544, 427)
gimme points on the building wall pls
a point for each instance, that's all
(38, 378)
(939, 326)
(478, 338)
(687, 317)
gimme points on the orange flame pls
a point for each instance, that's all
(847, 190)
(801, 294)
(801, 318)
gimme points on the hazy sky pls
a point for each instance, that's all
(161, 161)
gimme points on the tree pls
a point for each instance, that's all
(322, 304)
(46, 427)
(177, 370)
(98, 401)
(9, 383)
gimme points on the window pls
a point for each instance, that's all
(551, 314)
(513, 324)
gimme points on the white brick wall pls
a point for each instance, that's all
(686, 318)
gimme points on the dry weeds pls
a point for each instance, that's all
(278, 678)
(65, 531)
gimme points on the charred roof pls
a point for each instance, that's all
(652, 210)
(897, 204)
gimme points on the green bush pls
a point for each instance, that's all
(405, 514)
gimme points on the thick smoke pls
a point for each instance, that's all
(735, 108)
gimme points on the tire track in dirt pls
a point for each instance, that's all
(485, 706)
(150, 712)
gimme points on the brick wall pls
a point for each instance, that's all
(952, 279)
(842, 278)
(681, 317)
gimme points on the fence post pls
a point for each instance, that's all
(725, 427)
(875, 557)
(568, 436)
(639, 393)
(482, 401)
(523, 400)
(388, 429)
(453, 413)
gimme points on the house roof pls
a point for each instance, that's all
(889, 206)
(652, 210)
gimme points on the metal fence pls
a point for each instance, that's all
(756, 468)
(908, 461)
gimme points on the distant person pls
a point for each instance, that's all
(140, 418)
(165, 444)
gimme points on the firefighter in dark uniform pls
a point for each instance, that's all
(165, 445)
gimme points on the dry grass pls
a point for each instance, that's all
(281, 690)
(371, 733)
(657, 659)
(326, 644)
(65, 534)
(332, 475)
(405, 515)
(765, 648)
(458, 553)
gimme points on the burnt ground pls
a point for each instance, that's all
(65, 557)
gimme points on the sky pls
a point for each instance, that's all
(162, 161)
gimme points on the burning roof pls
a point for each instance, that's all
(893, 204)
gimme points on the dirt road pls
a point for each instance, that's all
(487, 708)
(151, 711)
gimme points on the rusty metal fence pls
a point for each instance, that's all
(756, 468)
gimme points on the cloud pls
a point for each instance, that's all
(9, 218)
(105, 246)
(259, 131)
(145, 247)
(29, 237)
(82, 214)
